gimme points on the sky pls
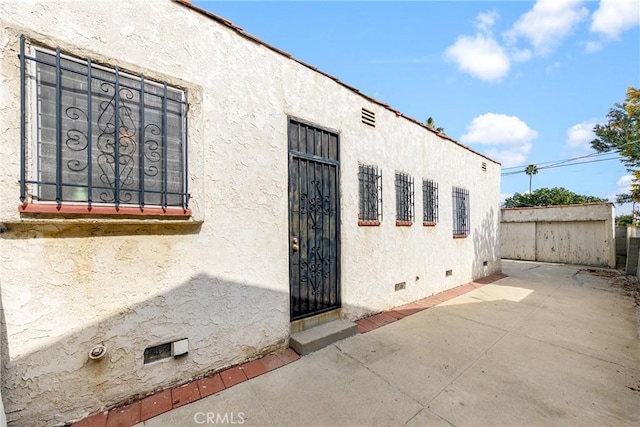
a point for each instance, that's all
(523, 82)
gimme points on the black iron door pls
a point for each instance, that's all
(314, 248)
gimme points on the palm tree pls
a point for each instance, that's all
(531, 170)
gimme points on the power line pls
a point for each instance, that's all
(574, 158)
(563, 165)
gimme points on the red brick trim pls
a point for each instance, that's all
(378, 320)
(460, 236)
(36, 208)
(162, 401)
(404, 223)
(369, 223)
(429, 224)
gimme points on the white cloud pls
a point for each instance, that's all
(486, 20)
(547, 23)
(592, 46)
(615, 16)
(579, 136)
(481, 56)
(508, 137)
(624, 184)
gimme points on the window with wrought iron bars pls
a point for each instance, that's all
(404, 199)
(100, 136)
(370, 191)
(430, 202)
(461, 227)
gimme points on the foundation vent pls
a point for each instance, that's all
(485, 263)
(484, 166)
(448, 273)
(368, 117)
(400, 286)
(157, 352)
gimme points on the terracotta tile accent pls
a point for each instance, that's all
(409, 309)
(364, 326)
(288, 356)
(95, 420)
(155, 404)
(272, 362)
(254, 368)
(427, 302)
(377, 320)
(232, 376)
(184, 394)
(387, 318)
(124, 416)
(395, 314)
(210, 385)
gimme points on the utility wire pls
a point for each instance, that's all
(563, 165)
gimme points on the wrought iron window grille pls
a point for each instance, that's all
(430, 202)
(370, 195)
(461, 226)
(404, 199)
(99, 135)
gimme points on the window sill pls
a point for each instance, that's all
(404, 223)
(460, 236)
(369, 223)
(83, 210)
(429, 224)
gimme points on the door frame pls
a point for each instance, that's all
(338, 231)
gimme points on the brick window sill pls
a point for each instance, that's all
(369, 223)
(70, 209)
(429, 224)
(404, 223)
(460, 236)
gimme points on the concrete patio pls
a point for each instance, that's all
(548, 345)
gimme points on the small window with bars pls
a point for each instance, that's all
(100, 136)
(430, 202)
(404, 199)
(370, 192)
(461, 227)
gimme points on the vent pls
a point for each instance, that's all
(448, 273)
(368, 117)
(484, 166)
(400, 286)
(158, 352)
(485, 263)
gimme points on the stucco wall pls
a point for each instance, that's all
(576, 234)
(221, 278)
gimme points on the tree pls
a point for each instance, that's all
(549, 197)
(531, 170)
(621, 133)
(432, 124)
(624, 220)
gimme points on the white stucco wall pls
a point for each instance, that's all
(221, 278)
(575, 234)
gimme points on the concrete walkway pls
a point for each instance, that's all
(549, 345)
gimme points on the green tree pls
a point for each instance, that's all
(549, 197)
(531, 170)
(432, 124)
(621, 133)
(624, 220)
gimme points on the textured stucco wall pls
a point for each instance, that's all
(576, 234)
(220, 279)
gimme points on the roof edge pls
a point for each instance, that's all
(559, 206)
(384, 105)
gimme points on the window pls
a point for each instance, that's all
(370, 190)
(461, 226)
(404, 199)
(430, 202)
(101, 136)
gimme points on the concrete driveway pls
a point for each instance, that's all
(549, 345)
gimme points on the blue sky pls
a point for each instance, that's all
(521, 81)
